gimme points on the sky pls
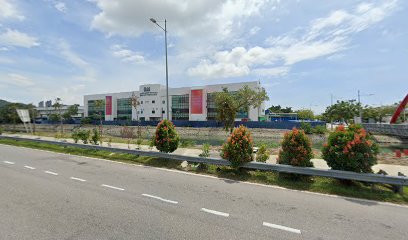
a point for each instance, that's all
(302, 52)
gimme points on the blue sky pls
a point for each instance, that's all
(301, 51)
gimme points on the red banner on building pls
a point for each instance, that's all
(197, 101)
(108, 105)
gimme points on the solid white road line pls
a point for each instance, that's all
(78, 179)
(215, 212)
(8, 162)
(109, 186)
(159, 198)
(32, 168)
(52, 173)
(271, 225)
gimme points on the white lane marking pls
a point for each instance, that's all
(8, 162)
(271, 225)
(215, 212)
(78, 179)
(159, 198)
(32, 168)
(52, 173)
(217, 178)
(109, 186)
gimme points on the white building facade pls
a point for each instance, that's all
(185, 103)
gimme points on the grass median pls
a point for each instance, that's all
(354, 189)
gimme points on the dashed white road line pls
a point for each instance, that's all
(109, 186)
(223, 214)
(159, 198)
(280, 227)
(78, 179)
(8, 162)
(52, 173)
(32, 168)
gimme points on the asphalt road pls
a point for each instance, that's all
(47, 195)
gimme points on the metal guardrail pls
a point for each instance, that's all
(363, 177)
(400, 130)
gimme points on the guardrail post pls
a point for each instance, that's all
(399, 188)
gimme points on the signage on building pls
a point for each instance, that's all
(197, 101)
(108, 105)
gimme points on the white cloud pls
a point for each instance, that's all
(17, 39)
(126, 55)
(8, 10)
(199, 17)
(73, 58)
(323, 37)
(16, 80)
(254, 30)
(60, 6)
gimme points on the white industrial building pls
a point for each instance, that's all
(186, 103)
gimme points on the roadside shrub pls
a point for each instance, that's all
(1, 130)
(206, 150)
(306, 127)
(184, 143)
(167, 139)
(75, 136)
(238, 147)
(84, 135)
(96, 137)
(139, 142)
(262, 155)
(296, 149)
(350, 149)
(86, 120)
(320, 129)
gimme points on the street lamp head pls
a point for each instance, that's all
(153, 20)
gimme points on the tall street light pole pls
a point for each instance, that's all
(167, 68)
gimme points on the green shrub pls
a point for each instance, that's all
(139, 142)
(1, 130)
(167, 139)
(151, 143)
(238, 147)
(350, 149)
(206, 150)
(262, 155)
(307, 127)
(186, 143)
(96, 137)
(86, 120)
(75, 136)
(84, 135)
(296, 149)
(320, 129)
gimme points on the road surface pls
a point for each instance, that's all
(47, 195)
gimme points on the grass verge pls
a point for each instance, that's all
(313, 184)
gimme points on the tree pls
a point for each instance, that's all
(58, 112)
(279, 109)
(71, 111)
(100, 104)
(228, 104)
(305, 114)
(342, 111)
(135, 104)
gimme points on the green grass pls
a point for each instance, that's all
(314, 184)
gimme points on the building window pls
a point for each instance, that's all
(163, 111)
(163, 102)
(94, 111)
(124, 109)
(180, 105)
(141, 112)
(153, 101)
(212, 108)
(153, 111)
(141, 102)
